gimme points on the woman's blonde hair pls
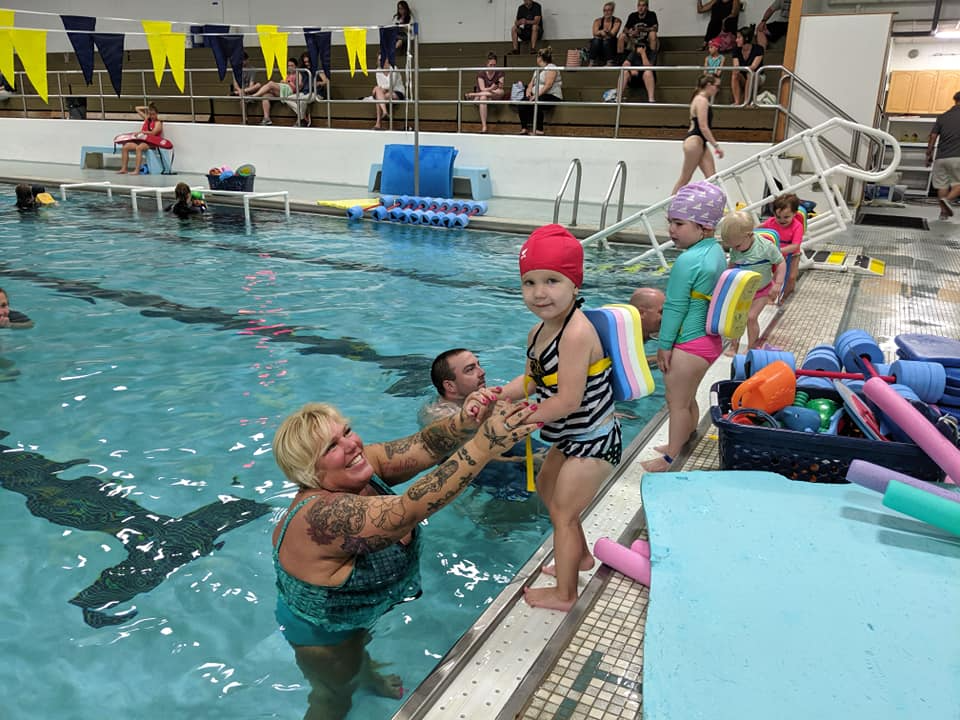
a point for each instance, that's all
(301, 440)
(735, 225)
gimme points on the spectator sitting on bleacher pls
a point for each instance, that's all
(282, 90)
(307, 81)
(403, 16)
(770, 32)
(603, 43)
(489, 86)
(722, 12)
(6, 89)
(247, 85)
(747, 55)
(546, 84)
(641, 28)
(714, 60)
(528, 26)
(389, 87)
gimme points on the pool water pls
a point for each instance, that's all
(139, 413)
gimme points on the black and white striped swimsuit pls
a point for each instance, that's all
(591, 430)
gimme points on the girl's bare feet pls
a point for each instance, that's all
(586, 563)
(659, 464)
(547, 597)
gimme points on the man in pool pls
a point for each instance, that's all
(455, 374)
(649, 301)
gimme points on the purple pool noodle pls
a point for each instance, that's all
(641, 547)
(876, 477)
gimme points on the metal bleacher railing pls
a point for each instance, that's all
(67, 90)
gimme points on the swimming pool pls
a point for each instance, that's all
(165, 354)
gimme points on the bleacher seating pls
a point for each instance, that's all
(438, 90)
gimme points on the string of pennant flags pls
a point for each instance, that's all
(168, 48)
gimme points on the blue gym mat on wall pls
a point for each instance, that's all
(436, 170)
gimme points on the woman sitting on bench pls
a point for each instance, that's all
(152, 126)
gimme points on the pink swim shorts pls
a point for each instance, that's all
(764, 291)
(707, 347)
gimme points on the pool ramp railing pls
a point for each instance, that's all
(833, 215)
(159, 192)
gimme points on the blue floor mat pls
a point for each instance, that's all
(791, 600)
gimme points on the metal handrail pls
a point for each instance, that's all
(619, 173)
(574, 165)
(100, 92)
(788, 75)
(832, 219)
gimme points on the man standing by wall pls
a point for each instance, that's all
(946, 170)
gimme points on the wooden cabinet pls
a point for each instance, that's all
(948, 83)
(898, 94)
(921, 92)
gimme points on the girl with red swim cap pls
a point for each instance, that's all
(576, 403)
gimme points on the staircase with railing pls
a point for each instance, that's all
(833, 214)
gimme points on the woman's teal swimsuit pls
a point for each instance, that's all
(320, 615)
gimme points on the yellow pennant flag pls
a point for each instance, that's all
(175, 48)
(280, 50)
(155, 29)
(6, 45)
(31, 46)
(268, 38)
(356, 42)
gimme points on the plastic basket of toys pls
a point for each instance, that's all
(239, 180)
(749, 442)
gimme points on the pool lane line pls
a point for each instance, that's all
(414, 369)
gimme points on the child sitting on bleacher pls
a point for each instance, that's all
(788, 223)
(714, 60)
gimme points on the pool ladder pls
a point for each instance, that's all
(619, 173)
(574, 165)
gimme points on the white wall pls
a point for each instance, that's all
(522, 167)
(844, 58)
(441, 20)
(918, 10)
(931, 54)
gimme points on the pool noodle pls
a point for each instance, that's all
(923, 506)
(909, 419)
(641, 547)
(623, 560)
(876, 477)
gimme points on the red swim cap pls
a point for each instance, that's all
(552, 247)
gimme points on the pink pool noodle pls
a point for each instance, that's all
(909, 419)
(878, 478)
(623, 560)
(641, 547)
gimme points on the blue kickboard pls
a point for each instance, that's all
(778, 599)
(916, 346)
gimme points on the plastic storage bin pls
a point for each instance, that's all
(234, 183)
(807, 456)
